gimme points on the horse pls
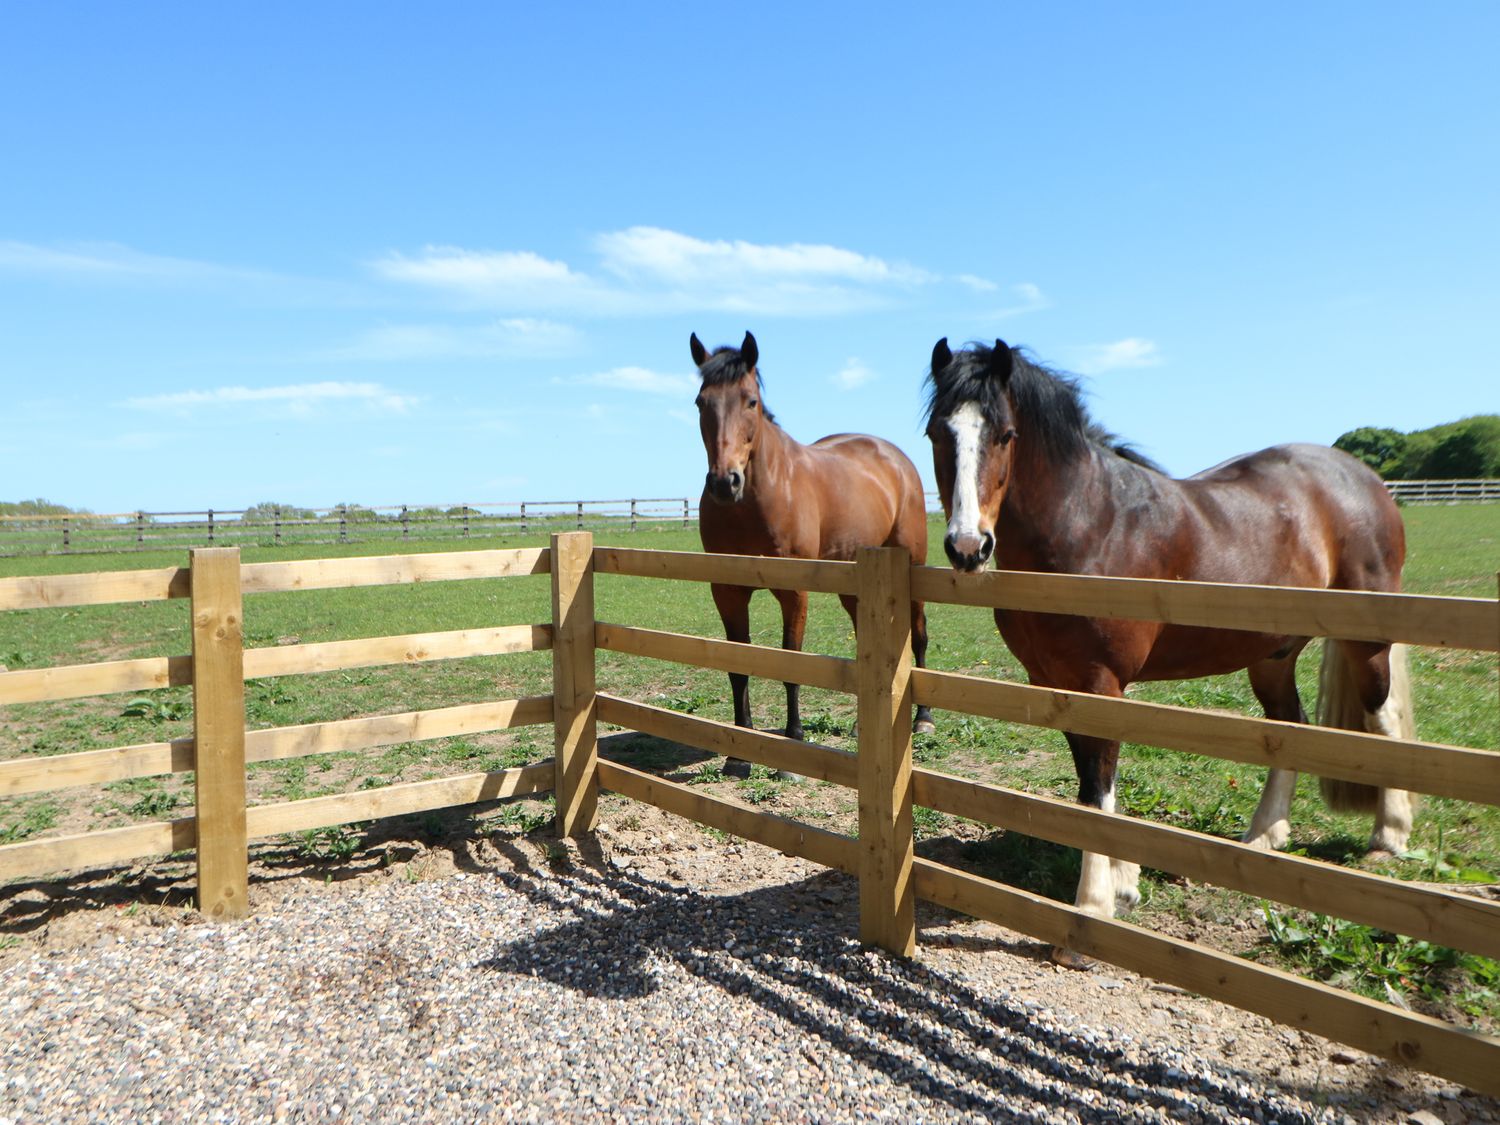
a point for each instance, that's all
(768, 494)
(1029, 480)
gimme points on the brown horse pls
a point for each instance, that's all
(767, 494)
(1028, 479)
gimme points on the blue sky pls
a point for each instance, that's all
(446, 253)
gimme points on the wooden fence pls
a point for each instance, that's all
(1445, 491)
(882, 854)
(89, 533)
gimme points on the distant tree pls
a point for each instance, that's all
(38, 507)
(1470, 449)
(1377, 447)
(355, 513)
(267, 512)
(1466, 449)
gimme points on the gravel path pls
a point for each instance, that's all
(594, 991)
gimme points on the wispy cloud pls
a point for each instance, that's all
(1024, 298)
(296, 400)
(650, 270)
(638, 380)
(680, 259)
(973, 281)
(480, 271)
(516, 336)
(110, 261)
(1095, 359)
(853, 374)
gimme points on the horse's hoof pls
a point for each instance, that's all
(1266, 842)
(795, 732)
(1068, 959)
(926, 726)
(736, 767)
(786, 775)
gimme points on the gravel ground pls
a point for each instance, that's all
(712, 982)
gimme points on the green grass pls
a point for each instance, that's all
(1452, 551)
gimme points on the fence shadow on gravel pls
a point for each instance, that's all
(974, 1051)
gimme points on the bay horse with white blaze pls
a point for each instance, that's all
(1029, 480)
(768, 494)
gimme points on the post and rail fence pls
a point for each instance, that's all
(881, 855)
(275, 526)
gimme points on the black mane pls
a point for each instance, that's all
(1050, 401)
(726, 365)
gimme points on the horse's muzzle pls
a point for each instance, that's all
(969, 552)
(728, 488)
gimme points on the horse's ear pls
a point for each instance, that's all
(700, 353)
(1003, 362)
(941, 355)
(749, 352)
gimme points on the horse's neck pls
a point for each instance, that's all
(773, 466)
(1050, 507)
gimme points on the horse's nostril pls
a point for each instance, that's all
(986, 546)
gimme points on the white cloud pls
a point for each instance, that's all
(1025, 298)
(973, 281)
(1129, 352)
(513, 280)
(297, 400)
(680, 259)
(649, 270)
(110, 261)
(516, 336)
(852, 374)
(638, 380)
(454, 267)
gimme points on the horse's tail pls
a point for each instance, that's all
(1339, 705)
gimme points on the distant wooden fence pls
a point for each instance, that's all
(882, 854)
(88, 533)
(1445, 491)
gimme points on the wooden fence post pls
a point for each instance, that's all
(219, 732)
(573, 706)
(887, 900)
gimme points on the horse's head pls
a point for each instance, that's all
(730, 415)
(972, 425)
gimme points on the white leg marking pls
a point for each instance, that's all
(1105, 882)
(1394, 807)
(1271, 827)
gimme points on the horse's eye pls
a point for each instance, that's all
(698, 402)
(1007, 437)
(752, 403)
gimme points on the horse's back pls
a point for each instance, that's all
(1306, 515)
(869, 495)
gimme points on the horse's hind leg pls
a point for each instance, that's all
(1366, 686)
(922, 724)
(1275, 685)
(733, 604)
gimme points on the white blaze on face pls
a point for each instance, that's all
(967, 426)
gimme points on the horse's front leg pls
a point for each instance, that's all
(922, 723)
(793, 626)
(733, 604)
(1103, 882)
(1275, 685)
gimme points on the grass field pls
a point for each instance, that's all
(1452, 551)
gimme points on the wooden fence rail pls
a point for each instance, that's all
(881, 855)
